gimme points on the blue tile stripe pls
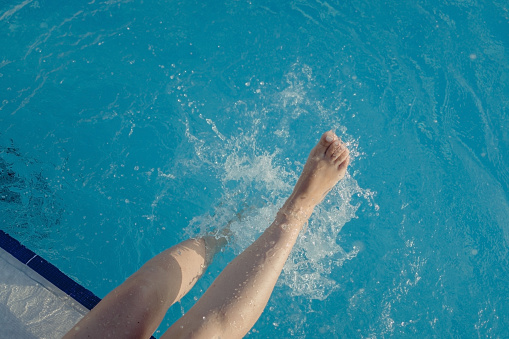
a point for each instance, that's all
(49, 272)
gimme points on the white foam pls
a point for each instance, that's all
(256, 182)
(254, 187)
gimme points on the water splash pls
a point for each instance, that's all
(254, 188)
(256, 180)
(317, 252)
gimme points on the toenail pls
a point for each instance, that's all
(328, 138)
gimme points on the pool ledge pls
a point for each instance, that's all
(37, 300)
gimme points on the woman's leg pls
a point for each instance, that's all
(135, 308)
(236, 299)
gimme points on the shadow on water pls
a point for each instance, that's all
(29, 209)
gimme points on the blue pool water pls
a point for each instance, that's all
(127, 126)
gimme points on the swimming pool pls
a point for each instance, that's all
(128, 126)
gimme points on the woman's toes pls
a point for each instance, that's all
(324, 144)
(332, 149)
(342, 155)
(344, 164)
(338, 152)
(327, 139)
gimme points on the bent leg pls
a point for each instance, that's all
(135, 308)
(236, 299)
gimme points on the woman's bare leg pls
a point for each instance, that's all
(135, 308)
(236, 299)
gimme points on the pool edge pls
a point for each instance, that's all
(49, 272)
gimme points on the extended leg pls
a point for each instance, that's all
(236, 299)
(135, 308)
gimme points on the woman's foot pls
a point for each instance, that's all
(326, 165)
